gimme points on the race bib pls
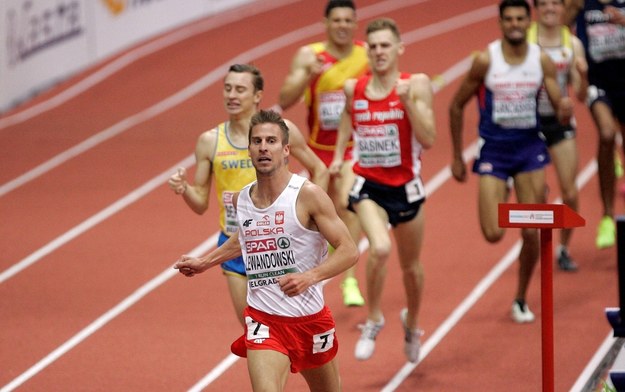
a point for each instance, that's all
(331, 106)
(230, 214)
(378, 145)
(514, 109)
(606, 42)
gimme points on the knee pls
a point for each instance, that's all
(607, 137)
(569, 197)
(379, 252)
(493, 235)
(530, 236)
(412, 269)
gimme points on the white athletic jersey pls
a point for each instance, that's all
(275, 243)
(562, 57)
(510, 96)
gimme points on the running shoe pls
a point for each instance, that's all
(351, 292)
(412, 339)
(366, 344)
(606, 233)
(521, 313)
(565, 262)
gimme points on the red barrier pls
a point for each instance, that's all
(544, 217)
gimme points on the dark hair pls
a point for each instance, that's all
(271, 117)
(513, 3)
(258, 81)
(338, 4)
(383, 24)
(536, 3)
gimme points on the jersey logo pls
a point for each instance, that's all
(361, 104)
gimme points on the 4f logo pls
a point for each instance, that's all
(247, 222)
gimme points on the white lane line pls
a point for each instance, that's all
(216, 75)
(477, 292)
(105, 318)
(92, 221)
(450, 75)
(182, 95)
(196, 28)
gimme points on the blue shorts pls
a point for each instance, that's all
(401, 203)
(505, 159)
(234, 266)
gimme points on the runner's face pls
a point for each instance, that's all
(341, 26)
(384, 48)
(549, 12)
(266, 149)
(514, 24)
(238, 93)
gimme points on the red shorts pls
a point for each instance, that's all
(326, 156)
(309, 341)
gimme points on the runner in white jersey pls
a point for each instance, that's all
(284, 224)
(274, 244)
(506, 79)
(567, 53)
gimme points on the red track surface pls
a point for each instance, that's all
(78, 256)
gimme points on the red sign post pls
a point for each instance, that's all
(545, 217)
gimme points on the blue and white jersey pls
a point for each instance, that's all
(508, 98)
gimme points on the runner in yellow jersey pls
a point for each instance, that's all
(318, 72)
(222, 154)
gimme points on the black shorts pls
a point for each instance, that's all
(614, 100)
(401, 203)
(553, 132)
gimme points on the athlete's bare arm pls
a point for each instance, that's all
(416, 95)
(304, 154)
(196, 195)
(231, 249)
(579, 70)
(468, 88)
(345, 129)
(562, 105)
(304, 67)
(316, 211)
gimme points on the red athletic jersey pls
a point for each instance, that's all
(385, 148)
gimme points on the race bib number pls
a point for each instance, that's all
(256, 330)
(358, 183)
(415, 190)
(331, 106)
(230, 214)
(606, 42)
(514, 109)
(323, 342)
(378, 145)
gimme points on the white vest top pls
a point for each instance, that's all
(275, 243)
(514, 88)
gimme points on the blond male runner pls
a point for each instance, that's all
(391, 116)
(285, 223)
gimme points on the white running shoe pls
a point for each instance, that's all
(412, 339)
(521, 313)
(366, 344)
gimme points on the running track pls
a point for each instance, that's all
(89, 229)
